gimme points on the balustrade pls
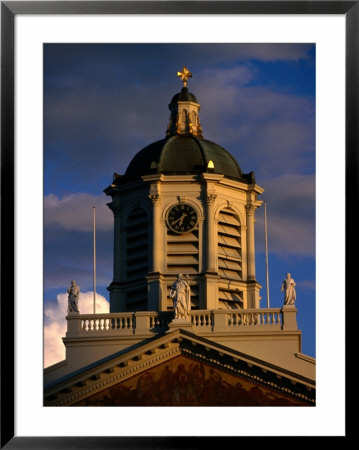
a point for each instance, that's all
(203, 321)
(255, 317)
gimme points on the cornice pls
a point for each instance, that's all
(112, 375)
(172, 344)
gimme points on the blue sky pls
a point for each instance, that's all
(105, 102)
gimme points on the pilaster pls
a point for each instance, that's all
(210, 298)
(211, 238)
(117, 298)
(251, 266)
(156, 229)
(157, 300)
(252, 295)
(116, 209)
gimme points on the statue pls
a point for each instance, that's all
(288, 286)
(73, 298)
(181, 296)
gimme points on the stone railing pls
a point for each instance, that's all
(202, 321)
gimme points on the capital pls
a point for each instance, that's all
(210, 199)
(155, 199)
(115, 207)
(250, 209)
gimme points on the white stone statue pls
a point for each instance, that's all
(73, 298)
(181, 296)
(289, 289)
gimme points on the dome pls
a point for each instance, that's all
(183, 154)
(183, 96)
(184, 150)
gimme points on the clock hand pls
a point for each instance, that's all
(180, 219)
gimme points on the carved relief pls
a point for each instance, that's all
(186, 382)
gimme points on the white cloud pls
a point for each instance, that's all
(74, 212)
(55, 323)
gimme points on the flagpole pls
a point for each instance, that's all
(94, 259)
(266, 250)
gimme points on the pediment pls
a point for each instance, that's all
(181, 369)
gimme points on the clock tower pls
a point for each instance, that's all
(184, 215)
(184, 206)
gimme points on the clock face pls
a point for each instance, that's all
(182, 218)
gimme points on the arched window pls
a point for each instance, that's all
(229, 259)
(136, 260)
(182, 256)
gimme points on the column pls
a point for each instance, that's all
(156, 231)
(156, 302)
(211, 238)
(115, 208)
(117, 298)
(251, 266)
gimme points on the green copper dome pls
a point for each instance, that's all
(183, 151)
(184, 154)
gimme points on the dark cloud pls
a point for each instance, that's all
(103, 104)
(68, 255)
(290, 216)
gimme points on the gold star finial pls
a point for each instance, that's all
(184, 75)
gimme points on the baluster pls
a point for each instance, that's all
(234, 319)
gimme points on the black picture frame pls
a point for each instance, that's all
(9, 10)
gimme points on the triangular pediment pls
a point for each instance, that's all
(180, 368)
